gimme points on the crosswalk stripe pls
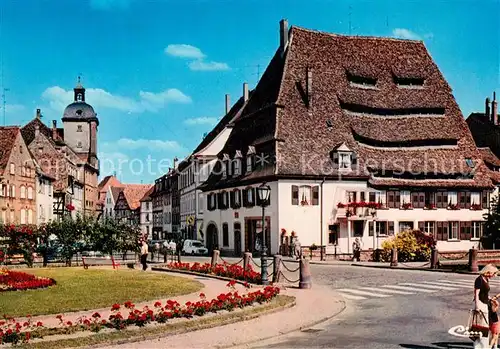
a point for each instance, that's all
(350, 296)
(397, 287)
(439, 283)
(363, 293)
(386, 290)
(429, 286)
(449, 282)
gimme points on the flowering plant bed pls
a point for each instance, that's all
(17, 281)
(226, 270)
(125, 315)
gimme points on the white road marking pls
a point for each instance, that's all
(363, 293)
(452, 283)
(350, 296)
(429, 286)
(409, 288)
(439, 283)
(385, 290)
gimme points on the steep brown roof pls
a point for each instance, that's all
(147, 196)
(489, 157)
(115, 191)
(134, 193)
(384, 98)
(8, 137)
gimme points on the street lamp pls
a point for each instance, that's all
(263, 193)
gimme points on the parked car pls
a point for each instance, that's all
(194, 247)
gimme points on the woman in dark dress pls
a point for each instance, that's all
(481, 294)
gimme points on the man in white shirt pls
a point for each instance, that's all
(144, 255)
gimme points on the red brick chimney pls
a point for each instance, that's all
(494, 109)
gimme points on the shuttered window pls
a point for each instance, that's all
(390, 229)
(370, 228)
(393, 199)
(442, 199)
(465, 230)
(315, 195)
(295, 194)
(485, 195)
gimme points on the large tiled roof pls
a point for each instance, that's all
(147, 196)
(388, 124)
(134, 193)
(8, 136)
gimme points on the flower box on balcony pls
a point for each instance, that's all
(453, 207)
(406, 206)
(476, 207)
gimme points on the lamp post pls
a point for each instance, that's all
(263, 193)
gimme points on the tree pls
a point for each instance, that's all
(70, 235)
(491, 232)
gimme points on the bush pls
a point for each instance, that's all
(412, 246)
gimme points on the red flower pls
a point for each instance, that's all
(115, 307)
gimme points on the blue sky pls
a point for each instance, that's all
(156, 71)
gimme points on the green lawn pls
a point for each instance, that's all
(80, 289)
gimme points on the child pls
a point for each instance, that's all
(493, 322)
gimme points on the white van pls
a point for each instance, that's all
(194, 247)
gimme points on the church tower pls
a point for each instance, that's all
(80, 124)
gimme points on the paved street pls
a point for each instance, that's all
(388, 309)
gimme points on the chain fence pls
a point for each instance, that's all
(466, 254)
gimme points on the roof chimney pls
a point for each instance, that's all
(245, 92)
(175, 163)
(487, 108)
(494, 109)
(38, 113)
(283, 36)
(54, 129)
(228, 104)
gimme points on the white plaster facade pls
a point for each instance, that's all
(167, 213)
(146, 218)
(306, 220)
(44, 199)
(109, 204)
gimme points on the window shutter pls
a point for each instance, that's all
(467, 199)
(390, 199)
(421, 200)
(257, 200)
(354, 159)
(370, 228)
(237, 198)
(484, 199)
(219, 200)
(295, 195)
(414, 199)
(468, 230)
(335, 158)
(231, 199)
(371, 197)
(315, 195)
(439, 232)
(209, 197)
(397, 199)
(226, 198)
(463, 234)
(421, 226)
(245, 197)
(391, 228)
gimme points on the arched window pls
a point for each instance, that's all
(30, 193)
(23, 192)
(30, 216)
(79, 97)
(23, 216)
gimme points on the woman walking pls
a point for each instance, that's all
(144, 255)
(482, 300)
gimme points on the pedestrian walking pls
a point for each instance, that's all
(493, 322)
(356, 249)
(482, 300)
(144, 255)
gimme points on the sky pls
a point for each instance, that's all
(156, 71)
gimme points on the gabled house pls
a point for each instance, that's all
(110, 200)
(195, 169)
(128, 205)
(356, 137)
(104, 184)
(17, 179)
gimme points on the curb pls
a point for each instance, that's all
(222, 278)
(296, 329)
(416, 269)
(197, 328)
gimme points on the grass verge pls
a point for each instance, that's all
(149, 333)
(79, 289)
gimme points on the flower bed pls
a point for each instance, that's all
(17, 281)
(124, 315)
(226, 270)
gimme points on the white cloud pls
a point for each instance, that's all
(150, 144)
(201, 121)
(208, 66)
(192, 52)
(403, 33)
(184, 51)
(109, 4)
(59, 98)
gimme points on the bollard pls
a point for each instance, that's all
(277, 268)
(394, 257)
(473, 260)
(434, 258)
(215, 257)
(305, 274)
(246, 260)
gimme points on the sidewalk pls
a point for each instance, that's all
(420, 266)
(312, 307)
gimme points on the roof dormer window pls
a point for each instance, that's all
(226, 168)
(343, 158)
(407, 82)
(250, 158)
(237, 163)
(361, 81)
